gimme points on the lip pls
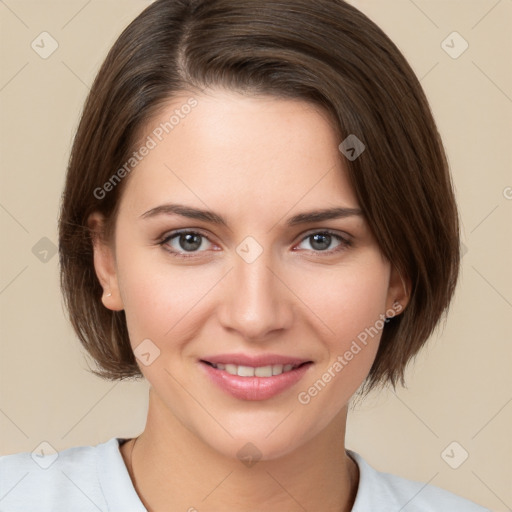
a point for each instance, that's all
(254, 360)
(255, 388)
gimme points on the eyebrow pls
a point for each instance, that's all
(214, 218)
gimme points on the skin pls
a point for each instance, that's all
(256, 161)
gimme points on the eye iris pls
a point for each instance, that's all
(190, 241)
(323, 239)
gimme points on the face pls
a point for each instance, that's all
(257, 283)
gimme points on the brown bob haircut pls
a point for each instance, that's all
(321, 51)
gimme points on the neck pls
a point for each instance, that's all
(172, 469)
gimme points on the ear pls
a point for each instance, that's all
(105, 263)
(398, 291)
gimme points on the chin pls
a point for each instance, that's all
(262, 442)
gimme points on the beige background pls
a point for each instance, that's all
(459, 389)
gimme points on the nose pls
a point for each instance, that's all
(255, 302)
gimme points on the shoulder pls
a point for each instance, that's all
(384, 492)
(72, 479)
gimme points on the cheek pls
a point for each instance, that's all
(347, 300)
(160, 299)
(350, 307)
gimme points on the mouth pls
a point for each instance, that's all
(254, 378)
(255, 371)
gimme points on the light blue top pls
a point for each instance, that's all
(95, 478)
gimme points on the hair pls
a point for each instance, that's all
(325, 52)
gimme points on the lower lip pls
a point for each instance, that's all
(254, 388)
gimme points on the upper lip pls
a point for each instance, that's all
(254, 360)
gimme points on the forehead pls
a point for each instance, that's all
(234, 150)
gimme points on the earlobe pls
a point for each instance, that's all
(398, 291)
(104, 263)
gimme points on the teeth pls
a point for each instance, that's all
(249, 371)
(263, 371)
(277, 369)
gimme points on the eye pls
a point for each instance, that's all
(320, 241)
(181, 242)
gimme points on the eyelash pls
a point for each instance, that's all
(345, 243)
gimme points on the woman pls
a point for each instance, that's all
(258, 218)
